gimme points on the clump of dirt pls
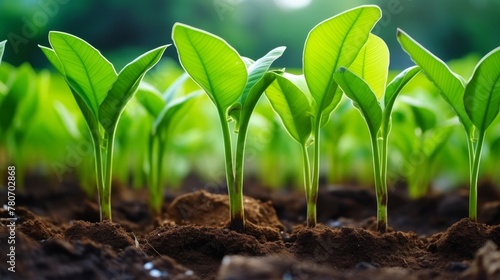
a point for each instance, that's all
(203, 208)
(58, 237)
(202, 247)
(106, 233)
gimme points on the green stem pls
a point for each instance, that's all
(235, 198)
(99, 173)
(238, 171)
(159, 176)
(474, 178)
(470, 150)
(311, 203)
(109, 139)
(313, 195)
(153, 155)
(380, 188)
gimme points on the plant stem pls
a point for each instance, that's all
(99, 172)
(380, 187)
(153, 173)
(239, 167)
(474, 178)
(237, 222)
(159, 175)
(311, 203)
(109, 139)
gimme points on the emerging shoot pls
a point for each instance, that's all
(101, 95)
(476, 102)
(234, 85)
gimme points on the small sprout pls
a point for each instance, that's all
(476, 102)
(234, 85)
(305, 103)
(101, 95)
(166, 112)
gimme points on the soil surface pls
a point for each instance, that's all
(58, 236)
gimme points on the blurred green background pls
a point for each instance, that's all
(123, 28)
(48, 135)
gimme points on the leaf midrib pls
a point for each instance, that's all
(331, 80)
(490, 96)
(86, 74)
(218, 105)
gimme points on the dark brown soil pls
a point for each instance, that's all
(58, 236)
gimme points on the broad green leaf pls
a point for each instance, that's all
(333, 43)
(174, 88)
(2, 48)
(212, 63)
(253, 97)
(125, 86)
(372, 64)
(434, 144)
(68, 120)
(88, 73)
(482, 93)
(292, 107)
(255, 86)
(397, 84)
(53, 59)
(256, 71)
(169, 112)
(392, 91)
(449, 84)
(362, 97)
(20, 87)
(90, 117)
(150, 98)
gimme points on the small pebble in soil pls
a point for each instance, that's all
(148, 266)
(155, 273)
(334, 224)
(366, 265)
(457, 267)
(226, 260)
(284, 236)
(287, 276)
(189, 273)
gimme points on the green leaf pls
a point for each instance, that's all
(172, 90)
(150, 98)
(67, 119)
(125, 86)
(449, 84)
(372, 64)
(2, 48)
(482, 93)
(53, 59)
(169, 112)
(258, 80)
(392, 91)
(362, 97)
(212, 63)
(397, 84)
(18, 90)
(87, 72)
(333, 43)
(293, 108)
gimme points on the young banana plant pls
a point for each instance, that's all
(475, 102)
(234, 85)
(101, 95)
(305, 103)
(365, 84)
